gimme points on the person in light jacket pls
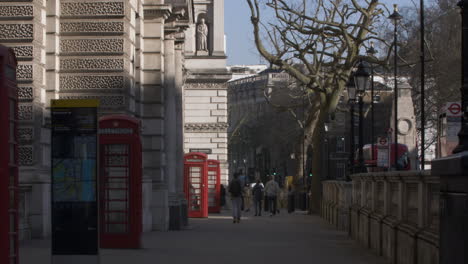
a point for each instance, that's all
(271, 191)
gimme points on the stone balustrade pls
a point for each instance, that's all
(395, 214)
(336, 203)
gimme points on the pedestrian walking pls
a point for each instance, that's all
(257, 193)
(247, 194)
(222, 196)
(235, 189)
(290, 199)
(271, 190)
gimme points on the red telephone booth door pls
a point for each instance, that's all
(196, 191)
(120, 182)
(214, 186)
(9, 158)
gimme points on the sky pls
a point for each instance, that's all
(241, 49)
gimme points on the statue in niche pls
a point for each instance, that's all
(202, 36)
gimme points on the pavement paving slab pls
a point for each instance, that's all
(217, 240)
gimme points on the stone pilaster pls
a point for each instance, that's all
(152, 109)
(218, 29)
(23, 29)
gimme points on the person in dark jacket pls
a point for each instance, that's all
(222, 194)
(257, 193)
(290, 199)
(235, 188)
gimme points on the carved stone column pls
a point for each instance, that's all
(170, 128)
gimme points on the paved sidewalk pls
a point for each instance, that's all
(216, 240)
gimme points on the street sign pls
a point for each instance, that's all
(453, 114)
(74, 181)
(453, 109)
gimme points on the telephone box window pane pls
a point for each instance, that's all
(117, 194)
(12, 177)
(12, 246)
(12, 153)
(116, 228)
(117, 183)
(12, 106)
(12, 223)
(12, 198)
(119, 217)
(117, 205)
(12, 132)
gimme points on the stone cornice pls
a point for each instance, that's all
(206, 127)
(205, 85)
(157, 11)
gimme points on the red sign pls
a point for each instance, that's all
(453, 109)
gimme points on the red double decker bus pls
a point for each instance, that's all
(370, 161)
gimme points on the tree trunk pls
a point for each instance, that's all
(312, 137)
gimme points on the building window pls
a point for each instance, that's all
(340, 170)
(340, 144)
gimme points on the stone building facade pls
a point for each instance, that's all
(205, 96)
(132, 55)
(262, 138)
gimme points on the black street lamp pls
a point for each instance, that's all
(327, 140)
(371, 51)
(463, 135)
(361, 79)
(351, 88)
(395, 17)
(245, 171)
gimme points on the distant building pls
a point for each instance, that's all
(266, 137)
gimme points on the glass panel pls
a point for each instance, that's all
(118, 160)
(195, 180)
(11, 114)
(116, 172)
(12, 153)
(117, 148)
(116, 228)
(12, 199)
(117, 194)
(12, 178)
(120, 217)
(12, 132)
(117, 205)
(12, 223)
(12, 245)
(116, 183)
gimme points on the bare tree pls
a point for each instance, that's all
(442, 39)
(325, 36)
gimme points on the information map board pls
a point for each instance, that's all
(74, 181)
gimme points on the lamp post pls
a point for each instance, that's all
(395, 17)
(423, 58)
(327, 140)
(351, 88)
(361, 79)
(371, 52)
(245, 170)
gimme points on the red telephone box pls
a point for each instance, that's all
(214, 186)
(9, 158)
(120, 182)
(195, 187)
